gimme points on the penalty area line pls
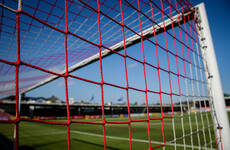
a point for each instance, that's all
(107, 136)
(133, 140)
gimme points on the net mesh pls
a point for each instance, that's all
(44, 40)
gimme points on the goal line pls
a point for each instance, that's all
(109, 137)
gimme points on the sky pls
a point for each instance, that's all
(217, 15)
(113, 68)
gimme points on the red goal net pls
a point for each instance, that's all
(132, 53)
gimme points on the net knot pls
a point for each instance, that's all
(18, 63)
(17, 120)
(68, 122)
(66, 74)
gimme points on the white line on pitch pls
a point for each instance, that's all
(107, 136)
(134, 140)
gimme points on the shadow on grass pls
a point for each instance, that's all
(101, 146)
(49, 143)
(7, 144)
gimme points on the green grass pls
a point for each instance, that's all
(41, 136)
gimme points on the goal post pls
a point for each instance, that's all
(148, 33)
(150, 58)
(213, 77)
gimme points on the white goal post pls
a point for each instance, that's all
(159, 28)
(213, 77)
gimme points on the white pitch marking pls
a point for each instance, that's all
(134, 140)
(107, 136)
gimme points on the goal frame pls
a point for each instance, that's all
(213, 79)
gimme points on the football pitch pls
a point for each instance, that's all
(39, 136)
